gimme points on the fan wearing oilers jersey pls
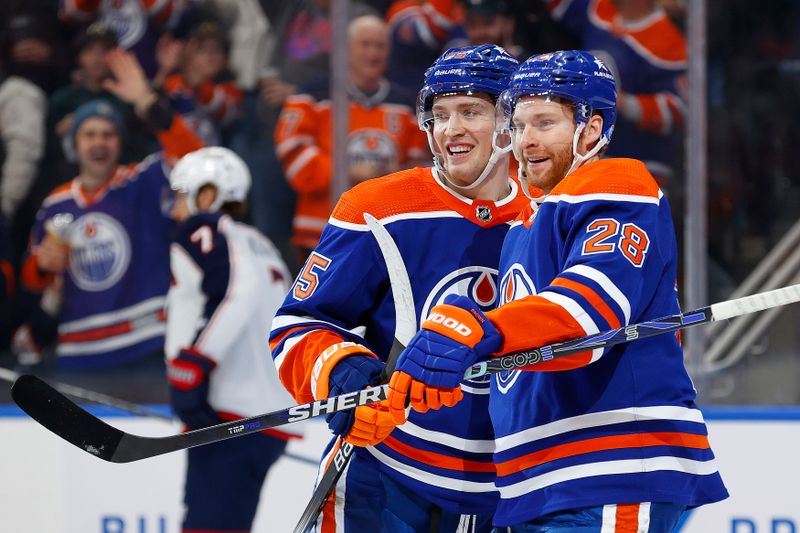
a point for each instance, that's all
(336, 326)
(608, 440)
(228, 281)
(99, 246)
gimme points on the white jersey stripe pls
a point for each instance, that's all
(644, 517)
(609, 524)
(578, 313)
(287, 346)
(625, 466)
(446, 439)
(394, 218)
(459, 485)
(114, 317)
(607, 285)
(606, 197)
(112, 343)
(602, 418)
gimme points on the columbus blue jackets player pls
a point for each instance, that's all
(612, 440)
(337, 324)
(228, 281)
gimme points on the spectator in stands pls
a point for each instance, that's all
(647, 54)
(137, 23)
(420, 30)
(90, 47)
(31, 48)
(300, 52)
(22, 130)
(102, 239)
(491, 22)
(383, 137)
(196, 92)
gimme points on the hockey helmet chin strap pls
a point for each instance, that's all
(497, 153)
(577, 159)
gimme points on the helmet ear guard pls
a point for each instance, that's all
(216, 166)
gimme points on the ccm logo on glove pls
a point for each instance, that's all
(450, 322)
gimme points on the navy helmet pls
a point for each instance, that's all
(472, 69)
(572, 75)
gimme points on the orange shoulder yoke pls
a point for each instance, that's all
(400, 192)
(610, 176)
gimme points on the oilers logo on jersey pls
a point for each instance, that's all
(100, 251)
(371, 145)
(515, 285)
(479, 284)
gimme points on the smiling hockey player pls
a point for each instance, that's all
(598, 441)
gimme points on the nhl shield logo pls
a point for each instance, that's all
(483, 213)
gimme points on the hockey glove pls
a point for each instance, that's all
(348, 367)
(188, 387)
(429, 371)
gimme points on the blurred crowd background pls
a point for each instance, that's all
(254, 76)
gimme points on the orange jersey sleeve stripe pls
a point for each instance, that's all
(32, 279)
(531, 322)
(178, 140)
(298, 363)
(437, 459)
(627, 517)
(572, 449)
(592, 297)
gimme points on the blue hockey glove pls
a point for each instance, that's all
(342, 368)
(188, 387)
(454, 337)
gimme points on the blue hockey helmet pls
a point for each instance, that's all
(472, 69)
(572, 75)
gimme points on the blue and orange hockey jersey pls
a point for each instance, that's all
(450, 245)
(600, 427)
(382, 131)
(648, 59)
(118, 274)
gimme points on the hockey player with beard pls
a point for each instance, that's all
(228, 281)
(336, 326)
(607, 440)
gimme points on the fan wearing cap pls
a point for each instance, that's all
(101, 232)
(228, 281)
(603, 440)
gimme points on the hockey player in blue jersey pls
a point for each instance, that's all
(228, 281)
(337, 324)
(599, 441)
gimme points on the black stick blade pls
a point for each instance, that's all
(63, 417)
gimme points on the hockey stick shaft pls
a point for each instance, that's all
(405, 327)
(61, 416)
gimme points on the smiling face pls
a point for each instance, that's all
(368, 49)
(97, 146)
(463, 127)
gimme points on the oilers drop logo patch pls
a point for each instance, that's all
(480, 285)
(515, 285)
(100, 251)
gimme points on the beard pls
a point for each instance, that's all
(560, 156)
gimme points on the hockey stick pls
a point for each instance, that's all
(61, 416)
(93, 397)
(405, 327)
